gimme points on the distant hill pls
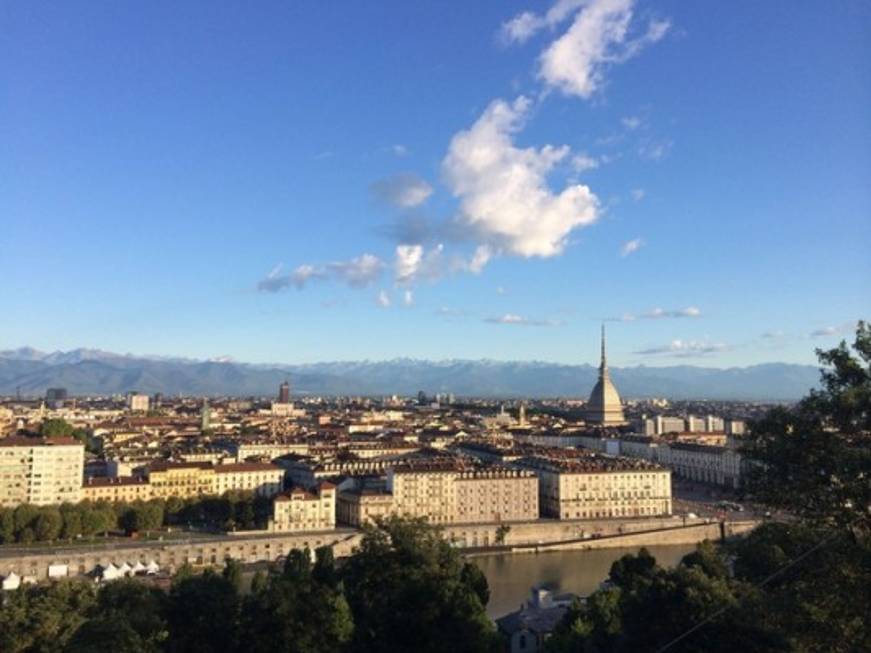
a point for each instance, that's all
(95, 372)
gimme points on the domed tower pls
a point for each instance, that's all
(604, 407)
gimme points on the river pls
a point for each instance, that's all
(511, 576)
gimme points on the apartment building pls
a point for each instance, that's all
(357, 507)
(702, 462)
(40, 471)
(496, 494)
(264, 479)
(593, 487)
(183, 480)
(124, 488)
(305, 510)
(454, 492)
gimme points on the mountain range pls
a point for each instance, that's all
(95, 372)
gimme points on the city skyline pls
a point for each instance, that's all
(313, 183)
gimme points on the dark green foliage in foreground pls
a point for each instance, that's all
(409, 592)
(405, 590)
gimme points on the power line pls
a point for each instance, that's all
(764, 582)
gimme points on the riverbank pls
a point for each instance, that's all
(34, 564)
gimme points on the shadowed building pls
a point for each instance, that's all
(604, 407)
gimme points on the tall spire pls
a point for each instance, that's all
(604, 365)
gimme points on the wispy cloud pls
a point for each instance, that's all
(685, 349)
(399, 150)
(519, 320)
(408, 298)
(357, 272)
(659, 314)
(631, 122)
(654, 150)
(598, 37)
(631, 246)
(841, 330)
(403, 190)
(383, 299)
(772, 335)
(637, 194)
(582, 162)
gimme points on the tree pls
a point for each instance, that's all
(71, 516)
(203, 615)
(48, 524)
(233, 573)
(56, 428)
(300, 611)
(404, 573)
(7, 526)
(128, 614)
(501, 532)
(43, 618)
(813, 460)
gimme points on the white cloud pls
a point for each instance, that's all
(659, 314)
(631, 246)
(408, 259)
(501, 291)
(840, 330)
(399, 150)
(404, 190)
(504, 197)
(654, 150)
(358, 272)
(519, 320)
(480, 258)
(582, 162)
(685, 349)
(525, 25)
(637, 194)
(599, 36)
(631, 122)
(408, 298)
(773, 335)
(383, 299)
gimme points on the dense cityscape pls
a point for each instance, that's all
(410, 327)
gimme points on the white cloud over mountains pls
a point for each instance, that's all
(358, 272)
(518, 320)
(685, 349)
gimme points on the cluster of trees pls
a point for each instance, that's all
(405, 589)
(802, 585)
(59, 427)
(26, 524)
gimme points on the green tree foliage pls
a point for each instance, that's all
(644, 608)
(56, 428)
(815, 459)
(800, 585)
(127, 614)
(43, 619)
(300, 610)
(203, 615)
(406, 590)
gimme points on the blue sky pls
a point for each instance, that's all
(259, 180)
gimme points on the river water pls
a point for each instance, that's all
(511, 576)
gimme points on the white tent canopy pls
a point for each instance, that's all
(11, 582)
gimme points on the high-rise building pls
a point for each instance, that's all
(55, 397)
(284, 393)
(604, 407)
(40, 471)
(206, 416)
(137, 402)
